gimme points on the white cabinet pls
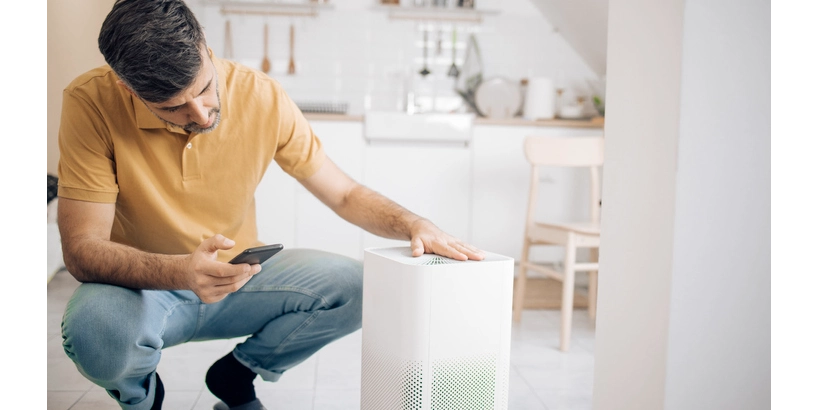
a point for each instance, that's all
(317, 226)
(431, 180)
(501, 178)
(275, 207)
(289, 214)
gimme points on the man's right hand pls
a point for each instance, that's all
(91, 257)
(212, 280)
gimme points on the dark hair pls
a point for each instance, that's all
(154, 46)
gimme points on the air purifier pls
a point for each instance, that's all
(436, 331)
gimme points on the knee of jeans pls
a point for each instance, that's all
(105, 346)
(349, 275)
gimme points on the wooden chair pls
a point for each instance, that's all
(562, 152)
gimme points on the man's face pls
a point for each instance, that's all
(197, 108)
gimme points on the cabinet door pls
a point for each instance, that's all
(275, 207)
(500, 190)
(317, 226)
(432, 180)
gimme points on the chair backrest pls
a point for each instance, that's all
(566, 152)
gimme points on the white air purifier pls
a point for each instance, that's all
(436, 331)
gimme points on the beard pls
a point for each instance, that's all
(193, 127)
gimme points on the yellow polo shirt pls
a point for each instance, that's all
(173, 189)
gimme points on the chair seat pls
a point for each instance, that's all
(587, 228)
(585, 234)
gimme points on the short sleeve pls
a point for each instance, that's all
(300, 152)
(86, 169)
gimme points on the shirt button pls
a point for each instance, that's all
(189, 145)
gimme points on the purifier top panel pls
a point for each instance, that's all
(402, 254)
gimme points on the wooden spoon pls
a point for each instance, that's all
(266, 65)
(228, 41)
(291, 69)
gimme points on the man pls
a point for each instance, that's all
(161, 152)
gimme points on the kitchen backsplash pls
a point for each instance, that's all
(352, 53)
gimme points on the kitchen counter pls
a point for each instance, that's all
(332, 117)
(597, 122)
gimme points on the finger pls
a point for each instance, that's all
(234, 286)
(450, 251)
(472, 252)
(217, 242)
(417, 248)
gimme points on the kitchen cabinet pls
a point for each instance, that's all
(289, 214)
(275, 207)
(429, 179)
(501, 176)
(317, 226)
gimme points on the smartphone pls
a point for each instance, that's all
(257, 255)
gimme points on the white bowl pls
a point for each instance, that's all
(571, 111)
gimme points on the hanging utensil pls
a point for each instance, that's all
(439, 50)
(266, 65)
(228, 41)
(291, 69)
(425, 71)
(453, 71)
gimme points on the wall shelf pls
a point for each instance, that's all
(270, 8)
(444, 14)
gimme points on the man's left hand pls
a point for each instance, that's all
(428, 238)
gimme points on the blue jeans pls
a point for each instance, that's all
(300, 301)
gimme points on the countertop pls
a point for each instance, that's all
(597, 122)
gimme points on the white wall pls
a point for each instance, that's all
(684, 294)
(351, 50)
(73, 28)
(583, 23)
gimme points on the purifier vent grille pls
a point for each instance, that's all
(430, 260)
(437, 261)
(390, 384)
(466, 384)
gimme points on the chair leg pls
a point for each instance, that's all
(592, 286)
(521, 279)
(568, 287)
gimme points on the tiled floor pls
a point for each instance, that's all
(542, 377)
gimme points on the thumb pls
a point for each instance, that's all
(417, 248)
(217, 242)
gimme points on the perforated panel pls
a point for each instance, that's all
(390, 384)
(464, 384)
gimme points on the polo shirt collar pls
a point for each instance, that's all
(145, 119)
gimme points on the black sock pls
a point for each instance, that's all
(231, 381)
(159, 396)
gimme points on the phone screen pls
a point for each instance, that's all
(257, 255)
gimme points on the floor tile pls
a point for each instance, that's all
(287, 399)
(330, 399)
(96, 399)
(566, 399)
(61, 400)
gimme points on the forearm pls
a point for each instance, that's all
(377, 214)
(103, 261)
